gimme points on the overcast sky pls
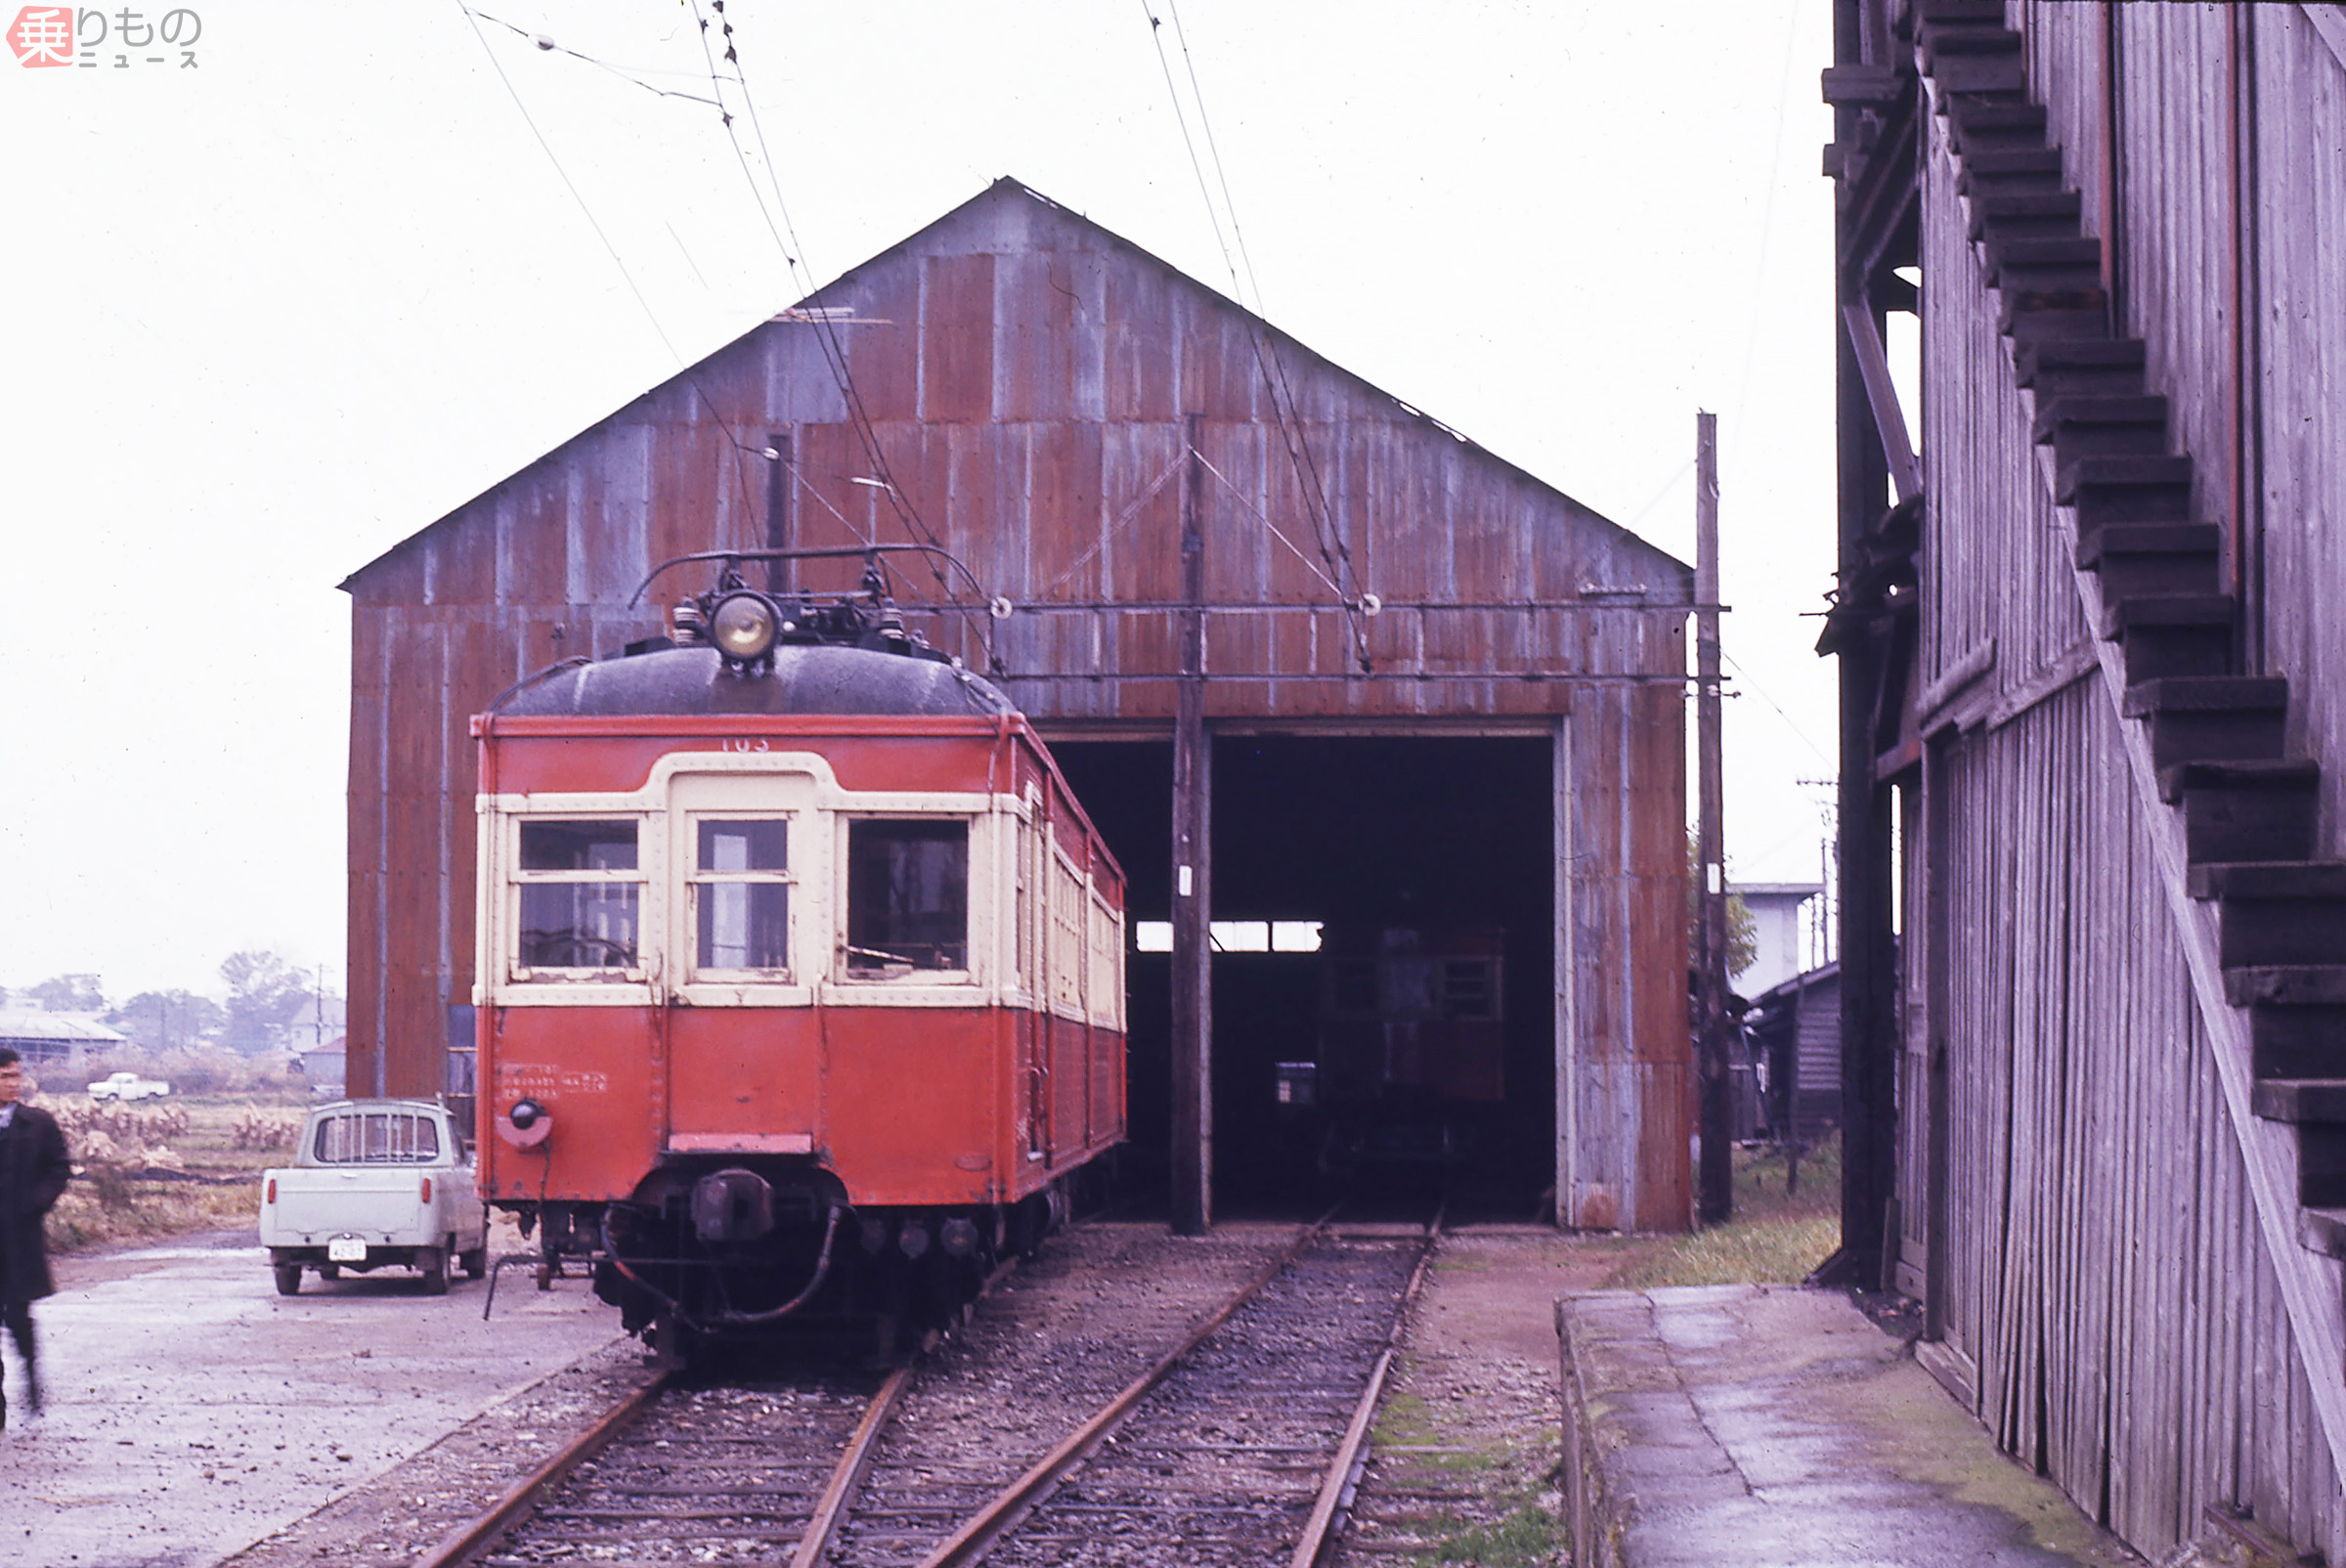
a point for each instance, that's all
(270, 313)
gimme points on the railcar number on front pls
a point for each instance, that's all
(347, 1249)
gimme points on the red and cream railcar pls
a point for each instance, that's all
(799, 979)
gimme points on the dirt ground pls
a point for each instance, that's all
(1465, 1451)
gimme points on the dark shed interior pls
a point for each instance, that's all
(1365, 836)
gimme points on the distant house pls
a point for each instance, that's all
(325, 1065)
(1776, 925)
(57, 1039)
(1795, 1029)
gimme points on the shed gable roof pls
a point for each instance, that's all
(1010, 222)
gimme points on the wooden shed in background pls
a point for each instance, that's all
(2094, 740)
(1436, 690)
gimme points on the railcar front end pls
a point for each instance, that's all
(799, 984)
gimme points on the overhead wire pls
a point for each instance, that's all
(1263, 519)
(1284, 407)
(1124, 520)
(732, 436)
(1767, 209)
(1754, 688)
(1213, 147)
(834, 351)
(626, 73)
(1660, 496)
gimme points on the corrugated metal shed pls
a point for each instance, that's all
(56, 1038)
(1014, 383)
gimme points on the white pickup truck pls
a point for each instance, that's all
(374, 1183)
(128, 1086)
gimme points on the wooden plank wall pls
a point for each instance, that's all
(2298, 377)
(1021, 378)
(2205, 141)
(2106, 1281)
(2106, 1277)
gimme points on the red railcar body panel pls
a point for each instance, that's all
(978, 1088)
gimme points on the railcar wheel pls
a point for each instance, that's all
(289, 1279)
(433, 1261)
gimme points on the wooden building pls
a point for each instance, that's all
(2094, 676)
(1795, 1028)
(1421, 686)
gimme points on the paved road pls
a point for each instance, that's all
(193, 1410)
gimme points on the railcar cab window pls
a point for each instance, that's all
(581, 899)
(377, 1138)
(908, 898)
(741, 896)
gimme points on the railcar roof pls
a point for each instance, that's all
(804, 680)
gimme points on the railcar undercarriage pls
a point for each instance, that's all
(709, 1252)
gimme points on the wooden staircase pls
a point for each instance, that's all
(2216, 732)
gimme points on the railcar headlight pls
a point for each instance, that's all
(743, 626)
(526, 1124)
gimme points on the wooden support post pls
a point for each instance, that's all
(1567, 1019)
(1193, 1162)
(1714, 1188)
(1869, 1045)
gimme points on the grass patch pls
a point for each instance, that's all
(149, 1210)
(1526, 1538)
(1776, 1237)
(1412, 1434)
(214, 1183)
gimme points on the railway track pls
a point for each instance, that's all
(1235, 1435)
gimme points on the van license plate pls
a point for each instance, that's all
(347, 1249)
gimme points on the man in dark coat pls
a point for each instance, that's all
(33, 1172)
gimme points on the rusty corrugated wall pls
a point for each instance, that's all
(1020, 378)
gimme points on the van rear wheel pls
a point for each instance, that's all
(433, 1261)
(289, 1279)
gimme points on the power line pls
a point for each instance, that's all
(1768, 210)
(1292, 435)
(1760, 692)
(827, 334)
(731, 435)
(634, 75)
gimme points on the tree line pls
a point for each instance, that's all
(266, 996)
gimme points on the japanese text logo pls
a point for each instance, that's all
(87, 37)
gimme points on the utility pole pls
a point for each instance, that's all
(1715, 1184)
(1193, 1153)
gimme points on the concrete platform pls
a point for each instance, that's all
(193, 1410)
(1766, 1427)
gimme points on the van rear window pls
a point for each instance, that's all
(377, 1138)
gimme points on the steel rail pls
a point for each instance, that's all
(847, 1476)
(979, 1534)
(1341, 1477)
(467, 1541)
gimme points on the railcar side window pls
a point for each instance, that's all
(377, 1138)
(741, 894)
(908, 897)
(580, 896)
